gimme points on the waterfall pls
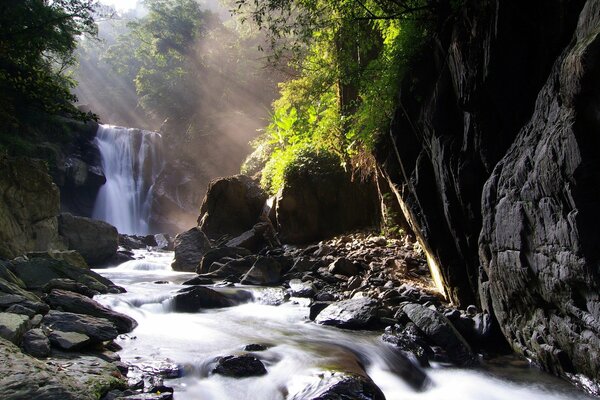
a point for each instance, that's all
(131, 159)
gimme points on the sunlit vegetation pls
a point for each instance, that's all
(349, 57)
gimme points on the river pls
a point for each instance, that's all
(298, 350)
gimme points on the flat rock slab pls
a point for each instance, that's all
(98, 329)
(69, 340)
(441, 332)
(240, 366)
(13, 326)
(80, 304)
(350, 314)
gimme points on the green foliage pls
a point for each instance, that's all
(37, 40)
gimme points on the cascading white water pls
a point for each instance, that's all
(131, 159)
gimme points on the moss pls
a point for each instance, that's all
(100, 385)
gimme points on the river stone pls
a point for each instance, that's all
(339, 386)
(360, 313)
(240, 366)
(24, 377)
(35, 343)
(190, 247)
(218, 254)
(441, 332)
(68, 340)
(195, 298)
(11, 293)
(98, 329)
(22, 310)
(266, 271)
(409, 339)
(71, 257)
(80, 304)
(302, 289)
(13, 326)
(232, 205)
(343, 266)
(97, 241)
(70, 285)
(236, 268)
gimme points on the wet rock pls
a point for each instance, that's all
(68, 340)
(13, 326)
(255, 347)
(251, 240)
(239, 366)
(199, 297)
(35, 343)
(302, 289)
(340, 385)
(199, 280)
(359, 313)
(232, 268)
(98, 329)
(218, 254)
(80, 304)
(190, 247)
(266, 271)
(410, 340)
(343, 266)
(231, 206)
(316, 307)
(441, 332)
(70, 285)
(97, 241)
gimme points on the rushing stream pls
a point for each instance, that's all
(298, 349)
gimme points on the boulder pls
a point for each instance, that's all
(231, 206)
(339, 385)
(440, 331)
(410, 340)
(194, 299)
(190, 247)
(29, 206)
(80, 304)
(302, 289)
(239, 366)
(359, 313)
(343, 266)
(319, 199)
(69, 256)
(68, 340)
(251, 240)
(97, 241)
(218, 254)
(35, 343)
(24, 377)
(233, 268)
(265, 271)
(98, 329)
(69, 285)
(13, 326)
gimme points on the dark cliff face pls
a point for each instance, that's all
(509, 96)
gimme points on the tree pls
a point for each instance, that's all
(37, 40)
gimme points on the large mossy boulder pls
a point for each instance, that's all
(319, 199)
(97, 241)
(29, 206)
(231, 206)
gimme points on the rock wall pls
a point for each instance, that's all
(493, 155)
(29, 206)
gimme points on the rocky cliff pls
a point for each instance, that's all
(493, 156)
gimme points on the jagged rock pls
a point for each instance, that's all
(29, 206)
(190, 247)
(251, 240)
(239, 366)
(231, 206)
(441, 332)
(265, 271)
(70, 285)
(232, 268)
(35, 343)
(319, 199)
(218, 254)
(38, 272)
(98, 329)
(97, 241)
(411, 340)
(198, 297)
(340, 385)
(80, 304)
(68, 340)
(13, 326)
(359, 313)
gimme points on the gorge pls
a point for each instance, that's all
(418, 218)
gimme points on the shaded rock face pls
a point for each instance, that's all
(176, 197)
(539, 242)
(312, 206)
(494, 156)
(231, 206)
(97, 241)
(29, 206)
